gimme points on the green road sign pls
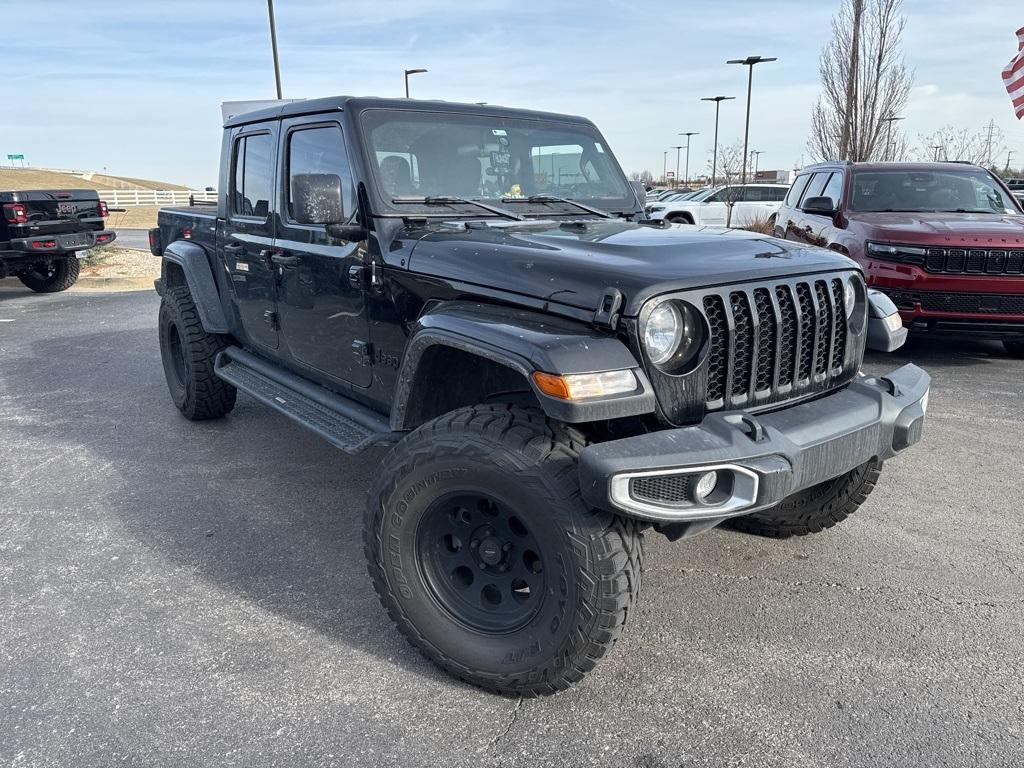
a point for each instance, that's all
(15, 157)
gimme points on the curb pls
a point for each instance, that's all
(113, 284)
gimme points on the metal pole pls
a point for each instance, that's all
(714, 153)
(407, 84)
(273, 45)
(686, 176)
(675, 179)
(746, 130)
(664, 167)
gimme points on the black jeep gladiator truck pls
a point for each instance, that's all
(477, 287)
(42, 233)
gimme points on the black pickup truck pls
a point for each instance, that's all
(42, 233)
(477, 287)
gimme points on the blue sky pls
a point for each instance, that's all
(136, 87)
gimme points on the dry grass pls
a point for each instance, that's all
(135, 217)
(763, 224)
(37, 178)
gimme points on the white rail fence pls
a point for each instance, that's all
(124, 198)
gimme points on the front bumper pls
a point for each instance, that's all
(768, 456)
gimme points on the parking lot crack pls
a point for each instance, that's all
(495, 743)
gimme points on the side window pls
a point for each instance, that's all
(816, 185)
(795, 191)
(834, 188)
(776, 194)
(752, 194)
(317, 160)
(253, 172)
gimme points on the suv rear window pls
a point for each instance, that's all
(253, 173)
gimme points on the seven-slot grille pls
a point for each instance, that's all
(975, 261)
(773, 343)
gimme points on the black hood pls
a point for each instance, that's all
(575, 263)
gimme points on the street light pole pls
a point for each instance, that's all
(686, 174)
(273, 45)
(937, 147)
(887, 155)
(749, 62)
(757, 157)
(675, 179)
(410, 72)
(664, 167)
(714, 153)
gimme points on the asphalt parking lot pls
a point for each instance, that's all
(178, 594)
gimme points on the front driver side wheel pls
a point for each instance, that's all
(485, 555)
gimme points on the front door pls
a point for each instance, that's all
(320, 294)
(248, 232)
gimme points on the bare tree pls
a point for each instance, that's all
(730, 162)
(864, 80)
(952, 143)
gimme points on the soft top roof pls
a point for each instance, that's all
(359, 103)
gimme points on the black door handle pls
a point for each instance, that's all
(233, 248)
(284, 260)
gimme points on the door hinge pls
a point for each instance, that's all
(270, 318)
(363, 350)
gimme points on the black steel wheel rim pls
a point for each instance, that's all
(481, 562)
(176, 351)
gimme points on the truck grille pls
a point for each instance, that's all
(975, 261)
(967, 303)
(768, 343)
(663, 489)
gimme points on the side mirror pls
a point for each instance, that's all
(316, 198)
(822, 206)
(351, 233)
(885, 328)
(640, 191)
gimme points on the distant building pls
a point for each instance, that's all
(775, 177)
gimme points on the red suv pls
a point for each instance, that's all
(945, 241)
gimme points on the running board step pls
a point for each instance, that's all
(343, 423)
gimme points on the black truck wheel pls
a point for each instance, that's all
(188, 353)
(52, 276)
(1014, 348)
(487, 558)
(816, 508)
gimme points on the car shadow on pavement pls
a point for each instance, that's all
(952, 351)
(251, 503)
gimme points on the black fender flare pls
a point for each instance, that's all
(195, 264)
(525, 341)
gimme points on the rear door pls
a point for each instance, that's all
(789, 214)
(249, 231)
(818, 228)
(320, 300)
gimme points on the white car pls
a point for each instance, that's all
(710, 207)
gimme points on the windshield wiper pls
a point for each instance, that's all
(451, 200)
(556, 199)
(969, 210)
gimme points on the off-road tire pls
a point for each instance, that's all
(815, 509)
(518, 455)
(679, 218)
(65, 274)
(188, 354)
(1014, 349)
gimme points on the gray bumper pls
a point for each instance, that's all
(768, 457)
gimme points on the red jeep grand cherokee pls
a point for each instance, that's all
(945, 241)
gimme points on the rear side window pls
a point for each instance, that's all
(834, 188)
(253, 175)
(797, 189)
(318, 153)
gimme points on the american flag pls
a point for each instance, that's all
(1013, 77)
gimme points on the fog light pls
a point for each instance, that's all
(705, 486)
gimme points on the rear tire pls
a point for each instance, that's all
(815, 509)
(680, 218)
(52, 276)
(488, 560)
(1014, 349)
(188, 354)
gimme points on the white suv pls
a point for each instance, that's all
(710, 207)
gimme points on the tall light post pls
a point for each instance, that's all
(664, 167)
(757, 156)
(675, 179)
(686, 173)
(888, 138)
(273, 46)
(411, 72)
(937, 147)
(714, 153)
(749, 62)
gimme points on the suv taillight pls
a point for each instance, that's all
(155, 246)
(15, 213)
(104, 211)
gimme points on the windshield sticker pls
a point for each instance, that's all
(499, 132)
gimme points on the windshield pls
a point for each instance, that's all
(502, 160)
(971, 190)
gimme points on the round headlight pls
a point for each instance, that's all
(849, 296)
(662, 333)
